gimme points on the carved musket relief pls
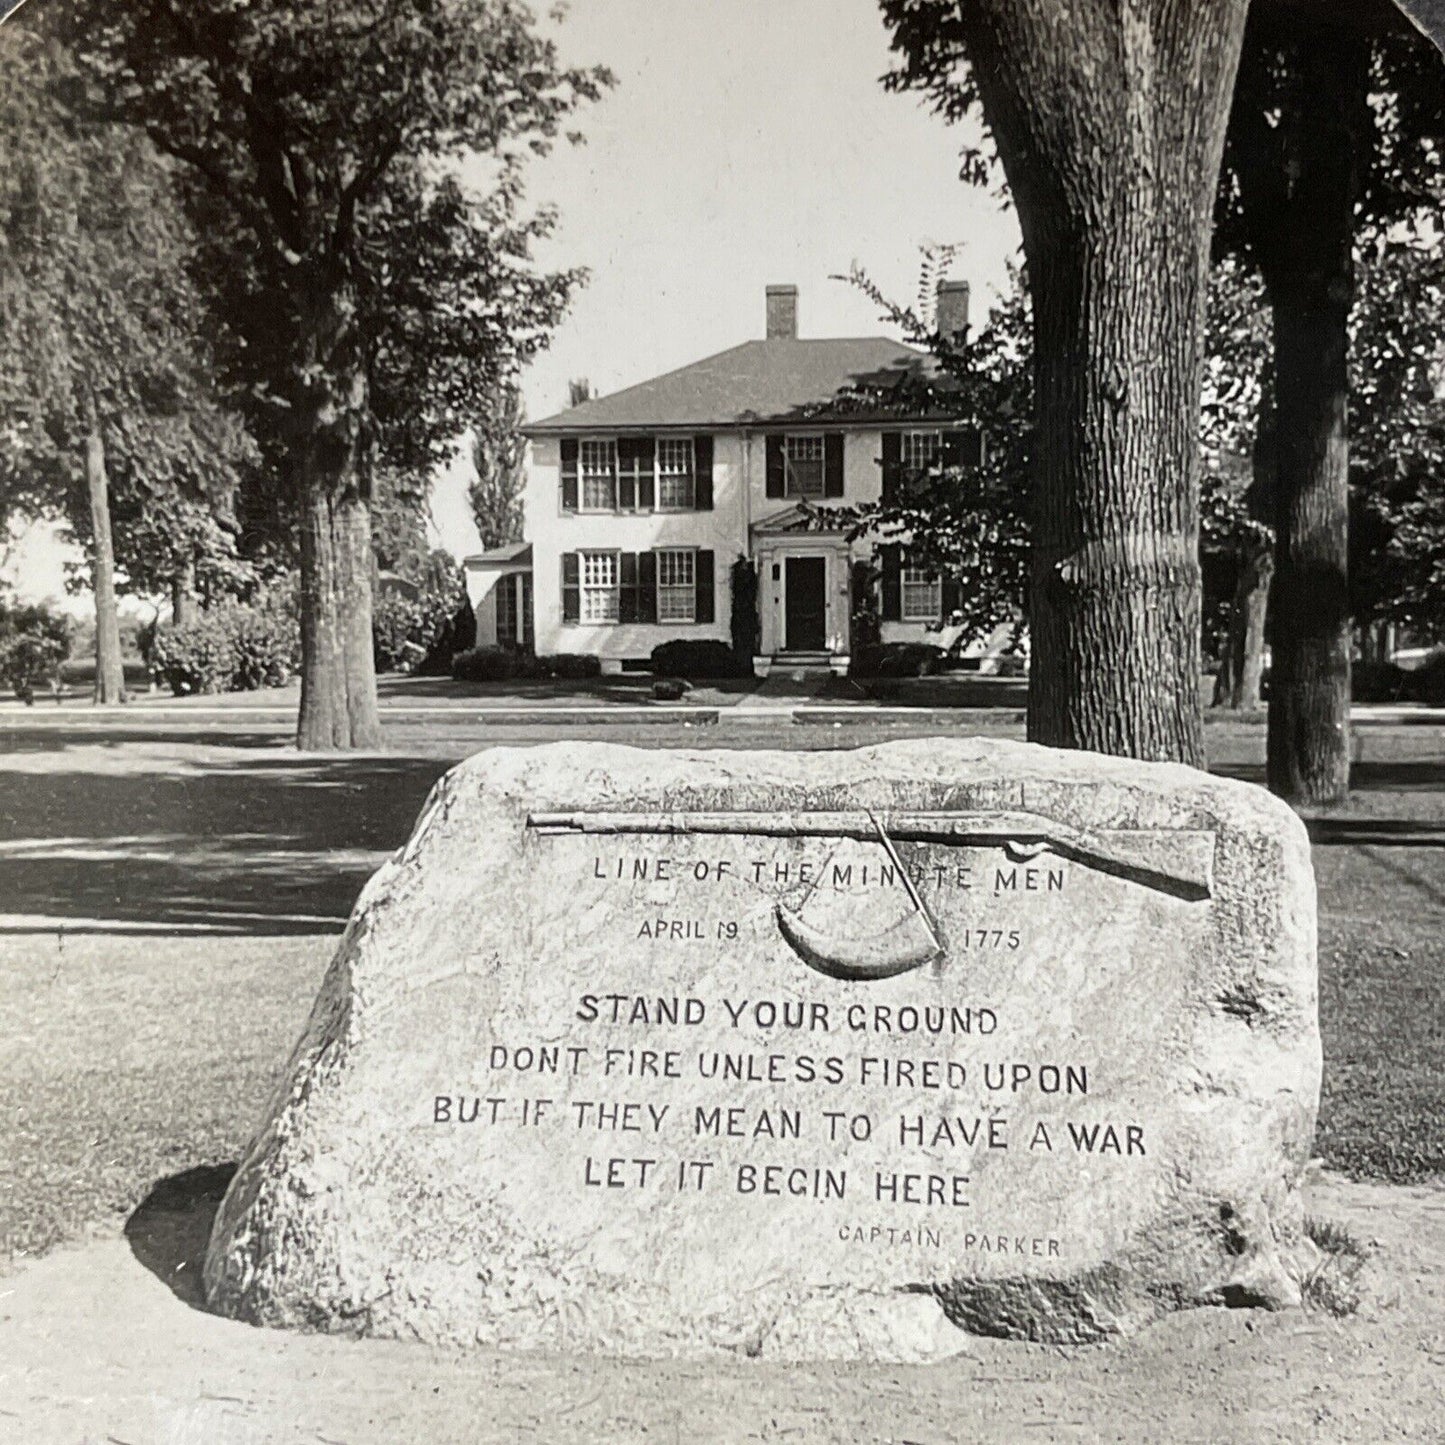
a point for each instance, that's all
(1177, 862)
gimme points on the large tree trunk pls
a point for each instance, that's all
(183, 596)
(1309, 687)
(1110, 122)
(338, 672)
(109, 670)
(1298, 186)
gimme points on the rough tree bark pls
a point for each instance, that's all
(338, 672)
(1110, 121)
(1298, 187)
(109, 671)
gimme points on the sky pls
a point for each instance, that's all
(746, 142)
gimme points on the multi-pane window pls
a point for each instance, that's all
(675, 474)
(514, 610)
(508, 630)
(919, 450)
(600, 587)
(803, 466)
(598, 461)
(922, 594)
(676, 585)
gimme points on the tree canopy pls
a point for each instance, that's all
(359, 172)
(106, 346)
(498, 470)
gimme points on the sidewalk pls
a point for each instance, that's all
(782, 692)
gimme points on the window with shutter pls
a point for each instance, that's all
(920, 450)
(676, 584)
(922, 594)
(634, 473)
(803, 466)
(601, 587)
(676, 474)
(599, 476)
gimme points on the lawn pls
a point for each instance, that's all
(170, 898)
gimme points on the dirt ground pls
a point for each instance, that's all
(173, 906)
(99, 1343)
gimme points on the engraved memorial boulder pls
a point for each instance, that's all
(834, 1055)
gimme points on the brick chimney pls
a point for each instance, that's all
(782, 313)
(952, 309)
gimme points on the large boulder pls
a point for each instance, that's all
(828, 1055)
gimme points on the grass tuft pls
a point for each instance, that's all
(1334, 1285)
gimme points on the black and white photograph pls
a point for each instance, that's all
(722, 721)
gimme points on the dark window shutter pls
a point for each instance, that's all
(952, 591)
(646, 473)
(627, 590)
(963, 447)
(647, 586)
(892, 464)
(702, 460)
(704, 604)
(571, 588)
(833, 464)
(775, 466)
(569, 474)
(891, 557)
(626, 473)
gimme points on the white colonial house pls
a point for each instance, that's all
(637, 505)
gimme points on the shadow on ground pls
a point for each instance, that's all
(171, 1227)
(261, 845)
(159, 835)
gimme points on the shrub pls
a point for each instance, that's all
(231, 647)
(1381, 682)
(865, 624)
(398, 623)
(670, 689)
(863, 659)
(195, 657)
(34, 641)
(1429, 680)
(570, 665)
(743, 622)
(455, 635)
(267, 637)
(696, 659)
(419, 634)
(485, 664)
(896, 659)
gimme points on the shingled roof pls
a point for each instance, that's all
(760, 383)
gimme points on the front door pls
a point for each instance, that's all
(806, 623)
